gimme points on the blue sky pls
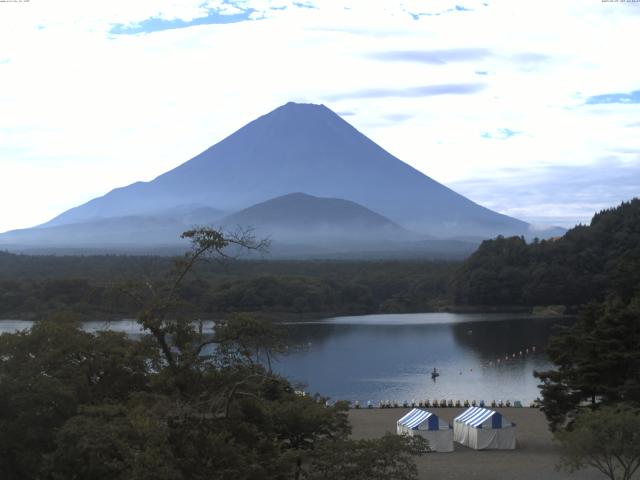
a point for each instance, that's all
(529, 108)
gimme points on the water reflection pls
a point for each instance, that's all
(391, 357)
(129, 326)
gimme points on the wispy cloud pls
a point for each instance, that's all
(500, 134)
(560, 194)
(156, 24)
(305, 5)
(606, 98)
(434, 57)
(437, 13)
(530, 57)
(398, 117)
(424, 91)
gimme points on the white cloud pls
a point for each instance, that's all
(83, 111)
(559, 194)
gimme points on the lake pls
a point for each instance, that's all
(390, 357)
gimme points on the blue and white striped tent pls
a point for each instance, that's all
(481, 429)
(428, 425)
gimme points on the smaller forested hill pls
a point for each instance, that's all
(586, 264)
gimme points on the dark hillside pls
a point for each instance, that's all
(584, 265)
(92, 286)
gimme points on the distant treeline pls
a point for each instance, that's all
(586, 265)
(99, 286)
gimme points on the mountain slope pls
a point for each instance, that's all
(585, 265)
(298, 215)
(304, 148)
(304, 226)
(158, 228)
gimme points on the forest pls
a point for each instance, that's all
(96, 286)
(584, 265)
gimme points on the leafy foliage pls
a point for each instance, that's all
(389, 457)
(583, 266)
(607, 439)
(181, 404)
(597, 361)
(46, 374)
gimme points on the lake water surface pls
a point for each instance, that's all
(390, 357)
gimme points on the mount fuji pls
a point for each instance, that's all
(304, 149)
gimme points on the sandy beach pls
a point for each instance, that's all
(534, 459)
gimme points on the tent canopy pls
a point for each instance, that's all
(423, 420)
(425, 424)
(478, 417)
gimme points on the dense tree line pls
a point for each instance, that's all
(585, 265)
(32, 287)
(108, 268)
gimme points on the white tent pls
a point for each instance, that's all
(483, 429)
(420, 422)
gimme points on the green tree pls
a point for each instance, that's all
(607, 439)
(181, 403)
(390, 457)
(586, 264)
(46, 374)
(597, 361)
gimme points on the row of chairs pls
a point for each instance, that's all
(444, 404)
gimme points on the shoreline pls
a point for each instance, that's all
(303, 317)
(535, 457)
